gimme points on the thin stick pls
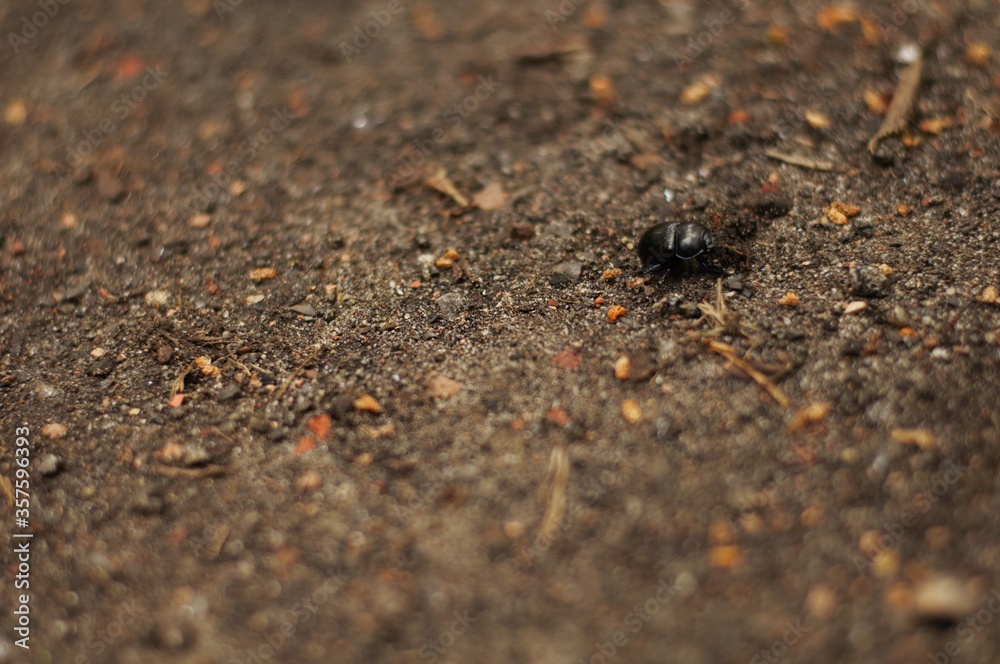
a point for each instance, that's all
(902, 104)
(795, 160)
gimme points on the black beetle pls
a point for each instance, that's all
(665, 245)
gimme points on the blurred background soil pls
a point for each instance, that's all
(327, 325)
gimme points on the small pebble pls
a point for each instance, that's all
(513, 530)
(103, 367)
(200, 220)
(451, 304)
(623, 367)
(943, 598)
(442, 387)
(821, 602)
(689, 310)
(263, 273)
(195, 456)
(615, 312)
(368, 404)
(565, 274)
(869, 281)
(49, 465)
(109, 185)
(631, 411)
(54, 431)
(789, 299)
(309, 481)
(304, 309)
(897, 317)
(726, 557)
(158, 298)
(229, 392)
(855, 307)
(522, 230)
(920, 438)
(164, 353)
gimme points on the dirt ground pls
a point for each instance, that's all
(311, 313)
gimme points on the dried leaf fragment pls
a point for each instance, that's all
(615, 312)
(442, 183)
(934, 125)
(568, 358)
(789, 299)
(829, 18)
(15, 113)
(623, 367)
(602, 89)
(977, 54)
(631, 411)
(817, 119)
(442, 387)
(54, 431)
(368, 404)
(921, 438)
(427, 22)
(320, 425)
(557, 416)
(875, 102)
(728, 556)
(206, 367)
(263, 273)
(492, 197)
(777, 35)
(447, 260)
(699, 89)
(839, 212)
(200, 220)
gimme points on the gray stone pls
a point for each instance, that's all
(451, 304)
(869, 282)
(565, 274)
(304, 309)
(229, 392)
(50, 465)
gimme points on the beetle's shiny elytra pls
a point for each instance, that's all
(664, 244)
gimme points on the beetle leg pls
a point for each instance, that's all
(709, 267)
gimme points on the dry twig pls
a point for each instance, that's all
(723, 320)
(903, 101)
(804, 162)
(728, 352)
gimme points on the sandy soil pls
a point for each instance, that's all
(307, 310)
